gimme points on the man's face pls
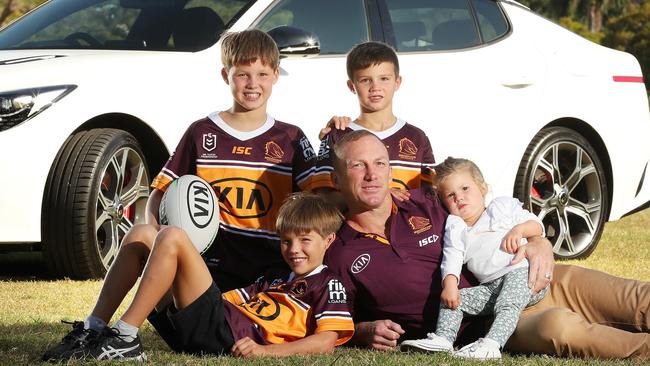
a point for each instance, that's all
(366, 174)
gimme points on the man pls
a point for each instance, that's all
(389, 252)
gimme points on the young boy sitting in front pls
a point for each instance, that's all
(295, 312)
(250, 159)
(373, 72)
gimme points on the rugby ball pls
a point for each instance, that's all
(191, 204)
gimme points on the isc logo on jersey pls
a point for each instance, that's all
(428, 240)
(243, 198)
(190, 203)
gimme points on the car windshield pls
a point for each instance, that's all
(160, 25)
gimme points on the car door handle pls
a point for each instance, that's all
(517, 82)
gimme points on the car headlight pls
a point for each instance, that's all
(19, 106)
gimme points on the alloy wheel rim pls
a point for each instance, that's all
(566, 194)
(121, 201)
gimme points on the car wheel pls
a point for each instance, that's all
(96, 190)
(562, 180)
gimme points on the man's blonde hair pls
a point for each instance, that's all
(453, 165)
(303, 212)
(338, 158)
(245, 47)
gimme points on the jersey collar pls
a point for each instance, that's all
(381, 134)
(316, 270)
(242, 135)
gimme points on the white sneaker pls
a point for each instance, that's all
(483, 349)
(433, 343)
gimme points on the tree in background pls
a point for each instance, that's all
(594, 12)
(630, 32)
(6, 11)
(620, 24)
(12, 9)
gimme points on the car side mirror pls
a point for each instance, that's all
(293, 41)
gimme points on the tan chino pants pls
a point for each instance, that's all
(589, 314)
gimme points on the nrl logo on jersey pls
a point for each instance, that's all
(209, 141)
(275, 283)
(273, 152)
(419, 224)
(407, 149)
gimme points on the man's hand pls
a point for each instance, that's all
(400, 194)
(539, 253)
(379, 335)
(338, 122)
(247, 348)
(450, 297)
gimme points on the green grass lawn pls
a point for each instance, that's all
(32, 305)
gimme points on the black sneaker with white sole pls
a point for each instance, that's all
(77, 338)
(109, 345)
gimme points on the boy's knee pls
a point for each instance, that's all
(171, 238)
(141, 233)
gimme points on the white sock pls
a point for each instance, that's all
(127, 331)
(94, 323)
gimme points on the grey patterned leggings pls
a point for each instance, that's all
(506, 297)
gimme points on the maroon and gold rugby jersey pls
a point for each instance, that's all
(398, 277)
(409, 151)
(251, 173)
(286, 309)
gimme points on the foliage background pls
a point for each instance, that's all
(620, 24)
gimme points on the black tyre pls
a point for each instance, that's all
(96, 190)
(562, 180)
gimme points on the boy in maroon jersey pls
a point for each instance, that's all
(297, 312)
(373, 72)
(251, 160)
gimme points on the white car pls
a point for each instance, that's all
(95, 94)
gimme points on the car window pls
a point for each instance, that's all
(106, 21)
(491, 20)
(425, 25)
(339, 24)
(168, 25)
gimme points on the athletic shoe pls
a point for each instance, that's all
(109, 345)
(432, 343)
(483, 349)
(76, 338)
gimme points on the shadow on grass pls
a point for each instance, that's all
(23, 266)
(24, 344)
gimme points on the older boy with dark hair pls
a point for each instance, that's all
(241, 151)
